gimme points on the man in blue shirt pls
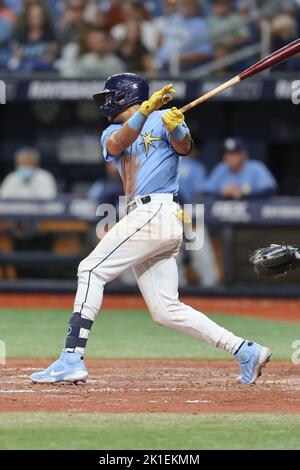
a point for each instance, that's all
(108, 189)
(192, 177)
(145, 144)
(186, 37)
(7, 21)
(238, 177)
(196, 265)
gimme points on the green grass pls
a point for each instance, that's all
(145, 431)
(131, 334)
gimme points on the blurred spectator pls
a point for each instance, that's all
(36, 46)
(109, 189)
(185, 37)
(237, 177)
(284, 29)
(117, 14)
(133, 52)
(22, 14)
(196, 265)
(28, 181)
(7, 13)
(161, 24)
(56, 8)
(221, 52)
(226, 25)
(72, 21)
(15, 5)
(19, 5)
(192, 177)
(245, 8)
(93, 14)
(76, 15)
(7, 21)
(134, 11)
(92, 56)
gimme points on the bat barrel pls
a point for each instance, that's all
(272, 59)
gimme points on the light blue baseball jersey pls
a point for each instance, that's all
(254, 178)
(150, 164)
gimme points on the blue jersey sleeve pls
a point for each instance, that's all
(96, 190)
(106, 134)
(5, 29)
(198, 178)
(264, 180)
(215, 181)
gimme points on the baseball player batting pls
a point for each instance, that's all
(146, 145)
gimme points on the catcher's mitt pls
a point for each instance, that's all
(275, 260)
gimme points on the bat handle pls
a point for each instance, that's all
(210, 94)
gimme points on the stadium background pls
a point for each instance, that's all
(48, 107)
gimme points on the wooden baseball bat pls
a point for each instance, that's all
(272, 59)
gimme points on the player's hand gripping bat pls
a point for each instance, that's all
(272, 59)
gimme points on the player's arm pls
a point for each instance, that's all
(121, 139)
(180, 136)
(183, 147)
(129, 132)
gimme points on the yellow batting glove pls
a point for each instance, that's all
(172, 119)
(157, 100)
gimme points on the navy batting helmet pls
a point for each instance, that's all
(121, 91)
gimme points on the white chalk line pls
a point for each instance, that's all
(10, 369)
(73, 391)
(16, 377)
(110, 390)
(198, 401)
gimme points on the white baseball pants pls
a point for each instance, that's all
(148, 239)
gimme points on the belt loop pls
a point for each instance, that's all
(138, 200)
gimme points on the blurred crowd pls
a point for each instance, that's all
(236, 176)
(81, 38)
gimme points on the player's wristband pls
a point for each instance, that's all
(137, 121)
(179, 133)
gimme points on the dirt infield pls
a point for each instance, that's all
(153, 386)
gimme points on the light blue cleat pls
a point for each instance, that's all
(68, 368)
(252, 358)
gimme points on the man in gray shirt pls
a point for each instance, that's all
(28, 181)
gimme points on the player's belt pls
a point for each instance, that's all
(146, 199)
